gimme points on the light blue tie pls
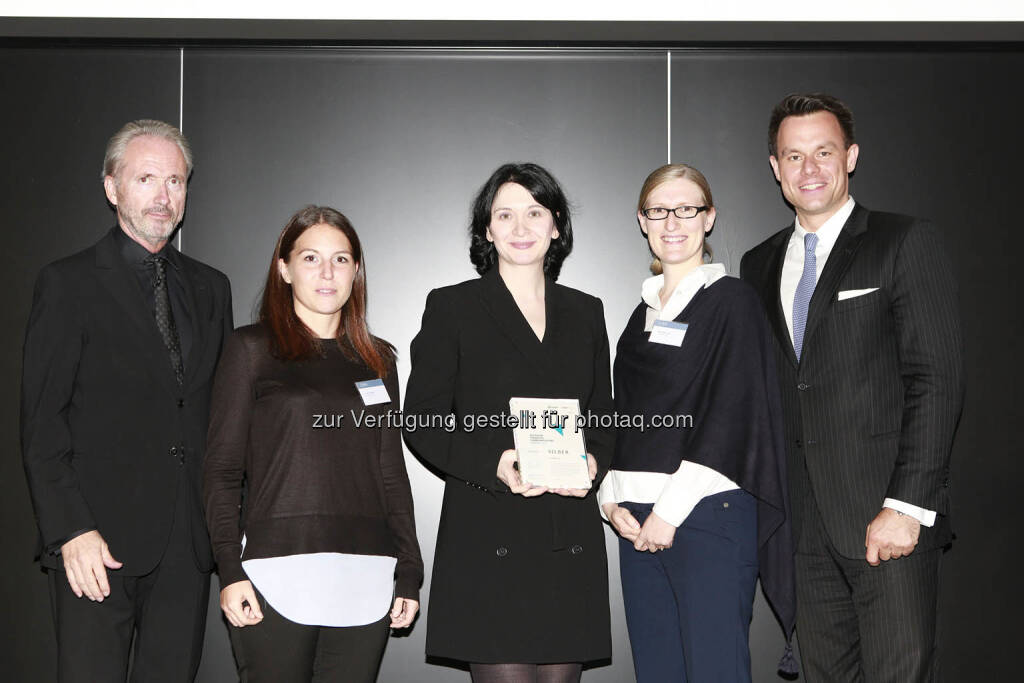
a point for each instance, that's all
(804, 290)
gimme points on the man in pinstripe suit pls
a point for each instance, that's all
(864, 311)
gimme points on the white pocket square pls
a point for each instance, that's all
(851, 293)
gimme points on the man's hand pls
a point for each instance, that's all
(238, 600)
(509, 476)
(622, 520)
(86, 560)
(656, 534)
(890, 536)
(403, 612)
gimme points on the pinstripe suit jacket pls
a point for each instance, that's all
(872, 406)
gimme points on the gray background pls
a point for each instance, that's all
(400, 140)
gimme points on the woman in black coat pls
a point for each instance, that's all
(519, 587)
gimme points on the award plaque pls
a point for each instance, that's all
(550, 448)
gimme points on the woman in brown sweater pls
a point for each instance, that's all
(324, 537)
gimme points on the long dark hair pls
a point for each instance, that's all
(290, 339)
(545, 190)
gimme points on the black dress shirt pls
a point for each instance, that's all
(137, 256)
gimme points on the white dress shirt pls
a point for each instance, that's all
(793, 266)
(674, 495)
(792, 269)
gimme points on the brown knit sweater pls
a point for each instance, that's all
(314, 482)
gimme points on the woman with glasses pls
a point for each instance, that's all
(697, 497)
(319, 558)
(520, 585)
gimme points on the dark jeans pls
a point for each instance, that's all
(688, 608)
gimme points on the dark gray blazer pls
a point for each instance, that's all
(871, 408)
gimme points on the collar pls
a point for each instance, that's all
(828, 233)
(134, 254)
(701, 277)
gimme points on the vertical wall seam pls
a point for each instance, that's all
(668, 107)
(181, 108)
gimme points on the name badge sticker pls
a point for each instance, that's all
(667, 332)
(373, 392)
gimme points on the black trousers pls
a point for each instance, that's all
(858, 623)
(165, 610)
(278, 650)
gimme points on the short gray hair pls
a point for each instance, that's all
(133, 129)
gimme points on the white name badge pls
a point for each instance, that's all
(667, 332)
(373, 392)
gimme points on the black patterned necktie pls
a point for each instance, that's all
(164, 317)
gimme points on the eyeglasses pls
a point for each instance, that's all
(660, 213)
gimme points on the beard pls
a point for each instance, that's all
(153, 225)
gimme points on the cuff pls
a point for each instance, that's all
(686, 487)
(408, 587)
(674, 512)
(926, 517)
(230, 571)
(54, 548)
(606, 494)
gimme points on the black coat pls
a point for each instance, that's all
(515, 579)
(105, 427)
(871, 408)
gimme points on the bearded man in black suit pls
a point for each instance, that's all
(867, 335)
(120, 351)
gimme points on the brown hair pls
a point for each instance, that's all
(800, 104)
(668, 172)
(290, 339)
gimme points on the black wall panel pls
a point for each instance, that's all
(940, 137)
(400, 140)
(59, 108)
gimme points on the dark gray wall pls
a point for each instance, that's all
(400, 140)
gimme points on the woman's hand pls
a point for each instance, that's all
(404, 612)
(232, 598)
(656, 534)
(622, 520)
(509, 476)
(580, 493)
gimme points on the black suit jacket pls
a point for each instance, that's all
(515, 579)
(105, 427)
(872, 406)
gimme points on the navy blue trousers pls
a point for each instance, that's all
(688, 608)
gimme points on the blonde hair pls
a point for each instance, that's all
(668, 172)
